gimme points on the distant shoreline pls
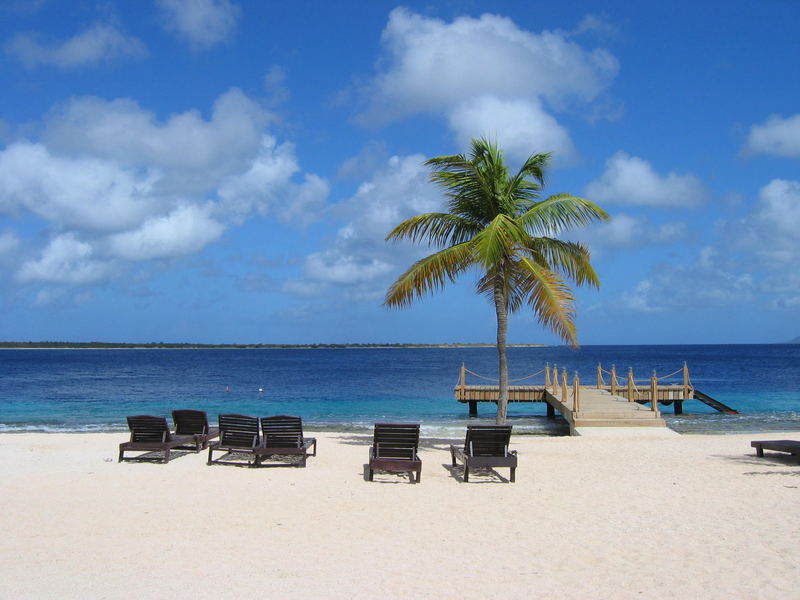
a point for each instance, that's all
(160, 346)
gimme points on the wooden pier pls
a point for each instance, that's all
(601, 405)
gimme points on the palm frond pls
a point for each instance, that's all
(496, 242)
(550, 298)
(430, 274)
(438, 228)
(561, 212)
(569, 258)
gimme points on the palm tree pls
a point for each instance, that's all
(498, 224)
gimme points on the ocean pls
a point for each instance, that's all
(352, 388)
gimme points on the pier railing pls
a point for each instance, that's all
(655, 390)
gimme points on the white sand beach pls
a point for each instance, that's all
(588, 517)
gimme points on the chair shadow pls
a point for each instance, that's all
(228, 460)
(156, 457)
(770, 459)
(457, 473)
(399, 477)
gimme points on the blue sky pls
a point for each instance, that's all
(224, 171)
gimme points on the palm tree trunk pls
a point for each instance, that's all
(501, 308)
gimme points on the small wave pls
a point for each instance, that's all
(61, 428)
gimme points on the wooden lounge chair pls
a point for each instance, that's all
(283, 436)
(151, 434)
(237, 434)
(394, 448)
(486, 446)
(790, 446)
(194, 423)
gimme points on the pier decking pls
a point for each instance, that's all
(594, 406)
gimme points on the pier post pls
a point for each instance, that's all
(576, 386)
(685, 383)
(564, 387)
(630, 384)
(678, 407)
(546, 375)
(555, 380)
(654, 392)
(473, 408)
(599, 376)
(462, 380)
(613, 380)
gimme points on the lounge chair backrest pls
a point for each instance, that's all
(190, 422)
(282, 431)
(487, 440)
(238, 431)
(395, 440)
(145, 428)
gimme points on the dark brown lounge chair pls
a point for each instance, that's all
(237, 434)
(283, 436)
(149, 434)
(394, 448)
(790, 446)
(486, 446)
(194, 423)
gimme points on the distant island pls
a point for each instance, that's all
(794, 341)
(187, 346)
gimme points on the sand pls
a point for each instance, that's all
(588, 517)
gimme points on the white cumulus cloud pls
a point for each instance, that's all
(632, 180)
(711, 281)
(772, 231)
(756, 255)
(487, 77)
(66, 259)
(116, 184)
(191, 153)
(358, 257)
(202, 23)
(431, 65)
(9, 241)
(520, 126)
(186, 230)
(777, 136)
(626, 231)
(82, 193)
(265, 185)
(101, 42)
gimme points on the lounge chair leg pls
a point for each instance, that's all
(419, 474)
(210, 451)
(466, 472)
(370, 473)
(513, 469)
(453, 457)
(166, 456)
(121, 455)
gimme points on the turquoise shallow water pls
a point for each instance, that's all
(93, 390)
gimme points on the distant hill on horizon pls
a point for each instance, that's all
(169, 345)
(794, 341)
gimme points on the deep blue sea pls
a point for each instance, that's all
(94, 390)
